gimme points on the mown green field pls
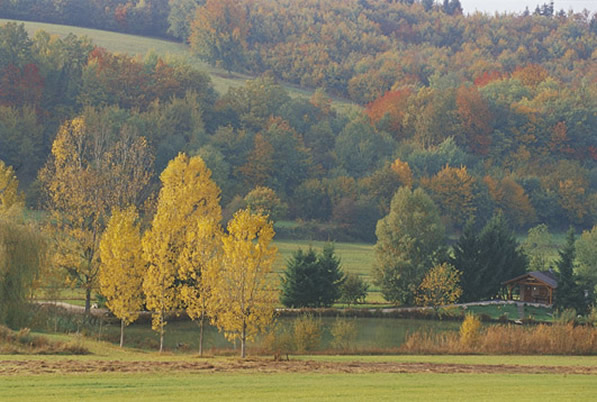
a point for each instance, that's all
(311, 386)
(264, 385)
(140, 45)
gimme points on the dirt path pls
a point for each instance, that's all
(67, 366)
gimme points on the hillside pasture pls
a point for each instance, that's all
(135, 45)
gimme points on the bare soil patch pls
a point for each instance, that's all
(68, 366)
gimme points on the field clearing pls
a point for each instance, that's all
(135, 45)
(117, 374)
(183, 386)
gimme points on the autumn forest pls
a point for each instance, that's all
(443, 146)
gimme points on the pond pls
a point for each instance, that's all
(372, 333)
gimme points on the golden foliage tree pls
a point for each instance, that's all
(404, 172)
(452, 188)
(245, 293)
(187, 197)
(122, 266)
(511, 199)
(440, 286)
(91, 169)
(22, 250)
(199, 265)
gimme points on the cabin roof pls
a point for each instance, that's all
(546, 277)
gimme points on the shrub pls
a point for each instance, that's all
(306, 332)
(354, 289)
(470, 330)
(565, 316)
(344, 333)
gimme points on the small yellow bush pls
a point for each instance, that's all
(470, 330)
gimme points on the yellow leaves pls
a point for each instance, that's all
(440, 286)
(122, 266)
(11, 199)
(182, 238)
(245, 294)
(91, 169)
(453, 189)
(511, 198)
(403, 171)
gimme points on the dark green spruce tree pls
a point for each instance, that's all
(312, 280)
(488, 259)
(568, 293)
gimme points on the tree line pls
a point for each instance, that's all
(414, 264)
(522, 144)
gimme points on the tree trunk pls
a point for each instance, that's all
(243, 341)
(201, 325)
(161, 332)
(121, 333)
(87, 300)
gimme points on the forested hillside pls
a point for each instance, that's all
(483, 113)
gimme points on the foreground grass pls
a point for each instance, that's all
(311, 386)
(265, 386)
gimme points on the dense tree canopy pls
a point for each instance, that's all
(409, 240)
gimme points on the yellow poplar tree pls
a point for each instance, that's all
(89, 172)
(122, 266)
(187, 196)
(245, 293)
(199, 264)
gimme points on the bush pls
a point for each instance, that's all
(470, 330)
(22, 342)
(344, 333)
(564, 317)
(306, 332)
(354, 289)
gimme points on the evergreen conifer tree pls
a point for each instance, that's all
(568, 294)
(312, 279)
(488, 259)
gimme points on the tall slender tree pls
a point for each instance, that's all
(568, 294)
(188, 195)
(122, 267)
(245, 293)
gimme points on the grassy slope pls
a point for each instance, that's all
(140, 45)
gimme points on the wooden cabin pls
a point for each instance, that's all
(533, 287)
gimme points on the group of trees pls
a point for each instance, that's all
(362, 49)
(414, 264)
(519, 143)
(186, 260)
(142, 17)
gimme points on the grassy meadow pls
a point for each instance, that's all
(96, 377)
(135, 45)
(303, 386)
(261, 379)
